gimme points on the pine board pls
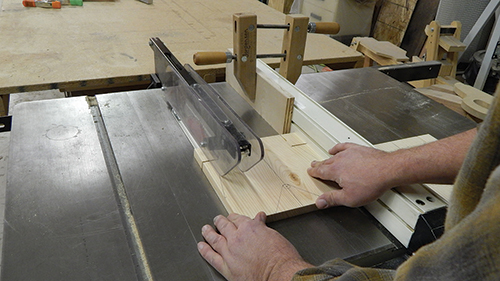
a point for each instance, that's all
(278, 185)
(100, 41)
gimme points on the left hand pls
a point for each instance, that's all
(246, 249)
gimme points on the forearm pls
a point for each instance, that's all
(436, 162)
(364, 174)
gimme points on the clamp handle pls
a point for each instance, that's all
(206, 58)
(323, 27)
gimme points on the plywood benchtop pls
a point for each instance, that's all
(106, 43)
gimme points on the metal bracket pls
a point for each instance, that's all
(429, 227)
(155, 82)
(5, 123)
(412, 71)
(147, 1)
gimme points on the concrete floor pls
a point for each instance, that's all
(5, 142)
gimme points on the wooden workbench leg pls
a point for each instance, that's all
(453, 57)
(4, 105)
(294, 43)
(433, 32)
(368, 61)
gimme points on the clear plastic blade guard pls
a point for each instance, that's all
(224, 138)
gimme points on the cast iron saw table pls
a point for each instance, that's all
(76, 164)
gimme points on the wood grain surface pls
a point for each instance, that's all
(278, 185)
(99, 41)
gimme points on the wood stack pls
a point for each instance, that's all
(463, 99)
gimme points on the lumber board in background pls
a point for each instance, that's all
(278, 185)
(393, 20)
(283, 6)
(414, 39)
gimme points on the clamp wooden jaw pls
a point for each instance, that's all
(245, 55)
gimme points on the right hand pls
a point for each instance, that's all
(363, 174)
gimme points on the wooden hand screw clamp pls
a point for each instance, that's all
(245, 48)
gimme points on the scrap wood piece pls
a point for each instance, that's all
(279, 185)
(382, 52)
(414, 39)
(382, 48)
(450, 100)
(474, 101)
(451, 44)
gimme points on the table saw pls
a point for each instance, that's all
(107, 188)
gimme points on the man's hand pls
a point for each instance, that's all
(246, 249)
(363, 174)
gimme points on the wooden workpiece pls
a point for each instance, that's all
(382, 52)
(474, 101)
(463, 99)
(278, 185)
(106, 43)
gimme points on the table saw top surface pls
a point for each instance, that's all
(62, 218)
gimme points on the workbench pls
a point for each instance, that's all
(62, 220)
(104, 44)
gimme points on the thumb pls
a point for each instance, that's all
(260, 216)
(329, 199)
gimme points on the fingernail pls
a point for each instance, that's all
(321, 204)
(216, 217)
(200, 246)
(204, 228)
